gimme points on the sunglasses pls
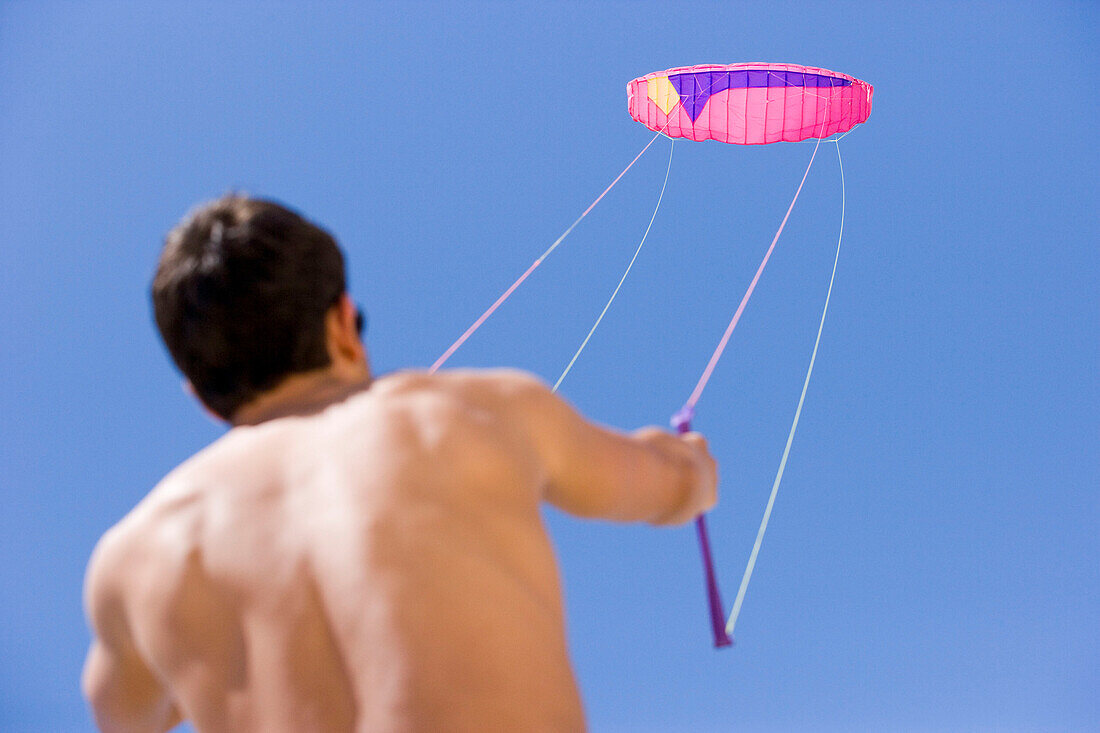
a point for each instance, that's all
(360, 321)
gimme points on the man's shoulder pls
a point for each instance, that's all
(478, 405)
(468, 383)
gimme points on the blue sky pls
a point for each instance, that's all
(933, 560)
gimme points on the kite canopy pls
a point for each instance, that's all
(749, 104)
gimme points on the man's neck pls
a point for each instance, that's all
(301, 394)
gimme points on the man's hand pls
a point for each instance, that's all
(700, 486)
(707, 468)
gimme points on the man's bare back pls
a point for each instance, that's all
(377, 565)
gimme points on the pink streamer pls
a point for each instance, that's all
(477, 324)
(701, 385)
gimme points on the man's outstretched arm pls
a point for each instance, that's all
(649, 475)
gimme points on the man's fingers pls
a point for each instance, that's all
(707, 469)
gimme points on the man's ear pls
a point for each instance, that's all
(190, 389)
(341, 334)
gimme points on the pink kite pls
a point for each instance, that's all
(749, 104)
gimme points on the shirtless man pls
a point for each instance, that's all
(354, 554)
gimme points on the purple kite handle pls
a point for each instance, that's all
(682, 422)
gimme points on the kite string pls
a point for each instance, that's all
(484, 316)
(794, 425)
(682, 422)
(610, 300)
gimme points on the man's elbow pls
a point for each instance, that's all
(108, 710)
(123, 706)
(111, 718)
(95, 685)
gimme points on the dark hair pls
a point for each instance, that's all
(240, 296)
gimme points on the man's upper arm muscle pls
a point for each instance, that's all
(649, 475)
(124, 693)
